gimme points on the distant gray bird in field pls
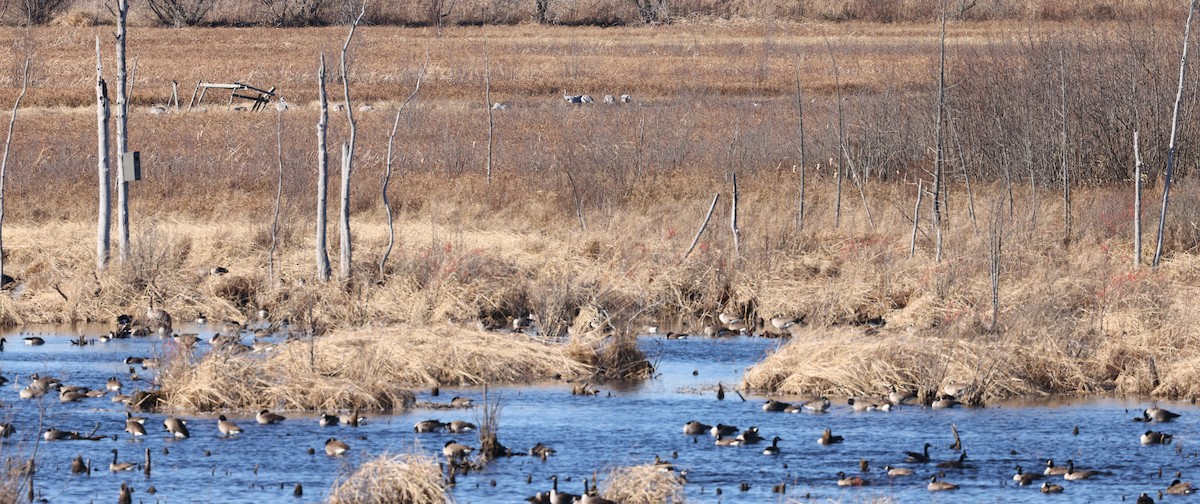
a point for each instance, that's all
(281, 105)
(572, 99)
(499, 106)
(609, 100)
(626, 98)
(587, 99)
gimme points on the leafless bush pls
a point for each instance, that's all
(293, 12)
(178, 13)
(38, 12)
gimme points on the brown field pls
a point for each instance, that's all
(591, 208)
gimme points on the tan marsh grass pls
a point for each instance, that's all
(392, 479)
(643, 484)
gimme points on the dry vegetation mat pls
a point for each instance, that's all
(367, 369)
(643, 484)
(405, 478)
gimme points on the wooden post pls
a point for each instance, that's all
(322, 175)
(104, 210)
(1162, 216)
(122, 135)
(12, 121)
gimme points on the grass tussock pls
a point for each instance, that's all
(643, 484)
(392, 479)
(367, 369)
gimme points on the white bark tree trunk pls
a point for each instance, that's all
(12, 121)
(347, 156)
(322, 176)
(122, 134)
(104, 209)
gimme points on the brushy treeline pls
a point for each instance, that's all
(569, 12)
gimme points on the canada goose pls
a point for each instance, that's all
(1074, 475)
(954, 389)
(749, 436)
(817, 405)
(201, 319)
(1180, 488)
(727, 441)
(176, 427)
(265, 417)
(460, 426)
(1024, 478)
(844, 480)
(1154, 437)
(944, 402)
(898, 397)
(557, 497)
(53, 434)
(226, 427)
(157, 319)
(783, 323)
(2, 342)
(1054, 470)
(428, 426)
(126, 495)
(327, 420)
(454, 451)
(77, 465)
(120, 466)
(958, 463)
(918, 458)
(522, 323)
(1146, 499)
(1047, 488)
(34, 341)
(723, 430)
(541, 451)
(938, 486)
(774, 448)
(827, 438)
(461, 402)
(70, 395)
(1156, 414)
(7, 430)
(134, 427)
(860, 404)
(335, 447)
(352, 419)
(31, 392)
(773, 406)
(694, 428)
(897, 471)
(728, 318)
(113, 384)
(591, 495)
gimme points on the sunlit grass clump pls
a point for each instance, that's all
(643, 484)
(392, 479)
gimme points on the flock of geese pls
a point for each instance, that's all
(728, 435)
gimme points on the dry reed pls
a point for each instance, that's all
(643, 484)
(407, 479)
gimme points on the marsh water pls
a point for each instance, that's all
(617, 427)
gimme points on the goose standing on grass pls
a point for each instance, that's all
(265, 417)
(918, 458)
(176, 427)
(774, 448)
(335, 447)
(1048, 488)
(226, 427)
(939, 486)
(120, 466)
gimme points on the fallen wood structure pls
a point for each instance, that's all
(260, 99)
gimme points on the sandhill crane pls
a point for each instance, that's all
(572, 99)
(609, 100)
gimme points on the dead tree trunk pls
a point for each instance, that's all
(939, 161)
(104, 210)
(1166, 194)
(912, 244)
(347, 156)
(800, 114)
(733, 221)
(12, 121)
(1066, 169)
(278, 198)
(837, 85)
(122, 135)
(1137, 202)
(487, 98)
(322, 176)
(387, 172)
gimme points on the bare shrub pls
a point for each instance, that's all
(179, 13)
(39, 12)
(409, 478)
(293, 12)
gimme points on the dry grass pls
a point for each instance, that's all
(643, 484)
(407, 479)
(367, 369)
